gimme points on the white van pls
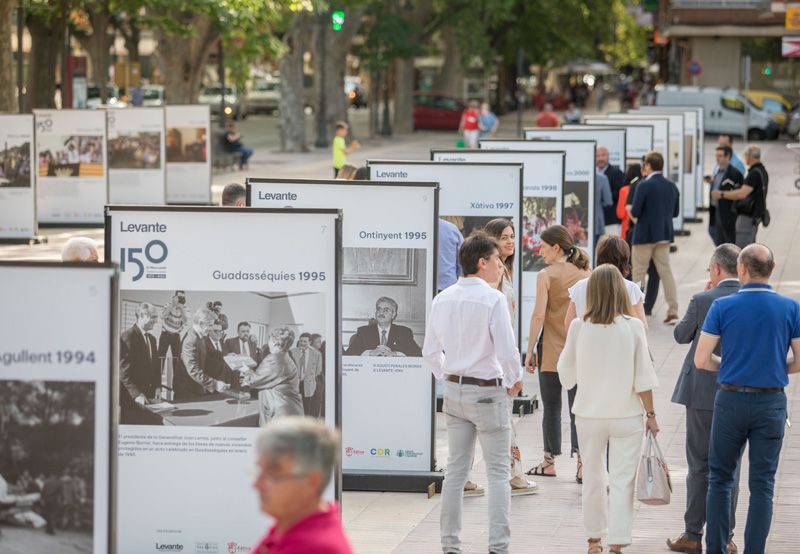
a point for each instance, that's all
(723, 108)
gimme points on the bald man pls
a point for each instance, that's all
(756, 328)
(616, 178)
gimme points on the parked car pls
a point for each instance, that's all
(773, 103)
(153, 96)
(723, 110)
(93, 96)
(433, 110)
(264, 97)
(355, 91)
(235, 106)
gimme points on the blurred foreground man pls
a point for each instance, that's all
(296, 458)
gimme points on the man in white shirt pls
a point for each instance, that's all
(469, 321)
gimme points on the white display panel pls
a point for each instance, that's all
(192, 443)
(389, 252)
(56, 388)
(188, 154)
(638, 137)
(136, 156)
(680, 163)
(470, 195)
(17, 182)
(663, 142)
(543, 184)
(612, 139)
(71, 166)
(692, 148)
(578, 193)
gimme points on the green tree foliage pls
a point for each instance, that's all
(628, 43)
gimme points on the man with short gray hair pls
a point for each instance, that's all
(756, 327)
(139, 368)
(696, 390)
(80, 249)
(206, 371)
(296, 459)
(384, 337)
(750, 200)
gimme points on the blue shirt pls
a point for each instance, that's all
(487, 122)
(756, 327)
(448, 270)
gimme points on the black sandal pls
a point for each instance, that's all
(539, 470)
(579, 473)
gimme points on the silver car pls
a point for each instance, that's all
(235, 107)
(264, 97)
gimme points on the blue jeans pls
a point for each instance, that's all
(739, 418)
(243, 150)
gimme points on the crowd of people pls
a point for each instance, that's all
(15, 166)
(139, 151)
(67, 159)
(198, 351)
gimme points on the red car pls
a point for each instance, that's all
(433, 110)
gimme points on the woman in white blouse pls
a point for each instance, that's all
(615, 251)
(606, 355)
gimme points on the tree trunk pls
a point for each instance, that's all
(47, 36)
(7, 100)
(98, 44)
(185, 58)
(132, 41)
(337, 46)
(292, 101)
(450, 79)
(404, 71)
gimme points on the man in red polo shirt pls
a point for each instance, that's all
(547, 117)
(296, 458)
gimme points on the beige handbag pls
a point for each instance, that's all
(653, 485)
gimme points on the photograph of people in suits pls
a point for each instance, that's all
(382, 337)
(182, 367)
(139, 370)
(309, 365)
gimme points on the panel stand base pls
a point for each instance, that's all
(524, 405)
(69, 225)
(702, 208)
(392, 481)
(693, 219)
(683, 233)
(30, 241)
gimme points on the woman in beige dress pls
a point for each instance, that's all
(566, 265)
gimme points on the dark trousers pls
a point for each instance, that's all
(698, 435)
(741, 418)
(725, 231)
(550, 389)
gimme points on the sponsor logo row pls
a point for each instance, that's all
(382, 452)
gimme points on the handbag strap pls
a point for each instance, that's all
(653, 445)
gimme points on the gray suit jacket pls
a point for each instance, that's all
(697, 388)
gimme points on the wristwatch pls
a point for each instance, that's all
(650, 415)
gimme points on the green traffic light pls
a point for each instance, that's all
(767, 71)
(337, 20)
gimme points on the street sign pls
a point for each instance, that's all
(790, 47)
(694, 68)
(792, 18)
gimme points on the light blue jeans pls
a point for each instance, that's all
(481, 413)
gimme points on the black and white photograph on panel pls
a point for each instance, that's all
(383, 301)
(140, 150)
(47, 437)
(575, 208)
(207, 359)
(538, 213)
(15, 163)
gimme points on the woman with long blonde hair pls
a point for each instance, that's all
(607, 358)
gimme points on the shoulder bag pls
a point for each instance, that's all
(653, 485)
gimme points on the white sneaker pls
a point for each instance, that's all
(521, 486)
(473, 489)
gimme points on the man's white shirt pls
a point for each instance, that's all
(469, 334)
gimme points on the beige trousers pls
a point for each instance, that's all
(659, 253)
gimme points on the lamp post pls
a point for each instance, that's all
(20, 66)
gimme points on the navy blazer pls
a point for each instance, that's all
(655, 203)
(696, 388)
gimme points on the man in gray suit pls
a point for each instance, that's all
(696, 390)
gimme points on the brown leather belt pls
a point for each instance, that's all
(475, 381)
(737, 388)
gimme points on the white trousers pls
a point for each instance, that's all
(614, 509)
(480, 413)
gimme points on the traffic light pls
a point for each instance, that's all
(337, 20)
(766, 71)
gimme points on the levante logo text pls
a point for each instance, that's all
(168, 547)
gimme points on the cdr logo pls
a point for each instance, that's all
(380, 452)
(235, 547)
(155, 252)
